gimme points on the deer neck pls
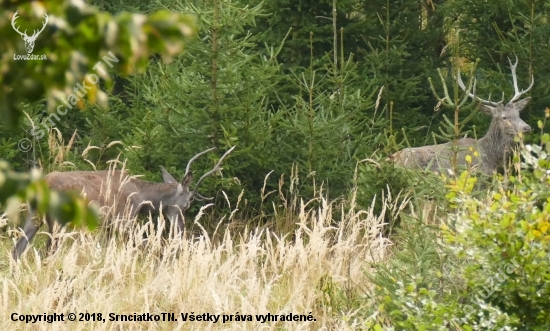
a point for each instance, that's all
(494, 147)
(156, 193)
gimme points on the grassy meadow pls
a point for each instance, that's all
(234, 270)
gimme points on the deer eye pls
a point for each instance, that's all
(504, 117)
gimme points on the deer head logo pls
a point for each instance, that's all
(29, 40)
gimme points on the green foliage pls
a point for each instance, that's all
(401, 53)
(213, 95)
(84, 37)
(392, 49)
(506, 241)
(491, 270)
(294, 21)
(325, 132)
(403, 286)
(418, 305)
(454, 130)
(421, 287)
(378, 180)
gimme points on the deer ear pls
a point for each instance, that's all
(187, 179)
(521, 104)
(487, 109)
(166, 176)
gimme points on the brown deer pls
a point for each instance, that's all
(493, 148)
(123, 195)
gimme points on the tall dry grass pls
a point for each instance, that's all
(302, 261)
(251, 272)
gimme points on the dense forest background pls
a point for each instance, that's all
(305, 89)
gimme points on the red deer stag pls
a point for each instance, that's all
(116, 190)
(492, 148)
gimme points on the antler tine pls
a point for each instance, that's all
(194, 158)
(517, 93)
(16, 28)
(216, 168)
(473, 95)
(36, 32)
(463, 87)
(199, 197)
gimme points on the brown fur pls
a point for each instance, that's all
(115, 191)
(111, 189)
(116, 194)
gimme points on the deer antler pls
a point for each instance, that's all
(518, 94)
(194, 158)
(199, 197)
(36, 32)
(473, 95)
(216, 168)
(16, 28)
(24, 34)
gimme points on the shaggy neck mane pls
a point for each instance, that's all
(494, 146)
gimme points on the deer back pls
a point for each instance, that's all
(438, 157)
(103, 188)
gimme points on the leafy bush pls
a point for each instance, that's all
(488, 267)
(420, 288)
(506, 241)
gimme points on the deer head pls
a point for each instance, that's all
(505, 116)
(183, 196)
(29, 40)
